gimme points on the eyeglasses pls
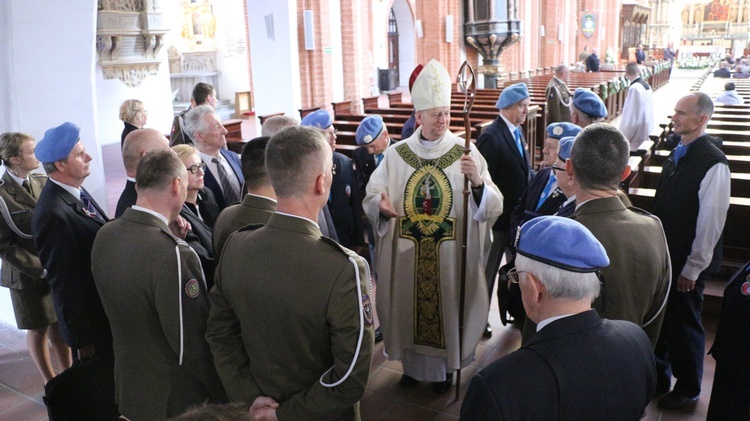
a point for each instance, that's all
(194, 168)
(513, 275)
(556, 168)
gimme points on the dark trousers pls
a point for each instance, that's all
(682, 344)
(730, 395)
(499, 246)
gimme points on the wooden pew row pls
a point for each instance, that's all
(736, 239)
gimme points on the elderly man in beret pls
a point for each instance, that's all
(372, 138)
(563, 179)
(415, 205)
(587, 108)
(503, 146)
(344, 204)
(578, 366)
(65, 223)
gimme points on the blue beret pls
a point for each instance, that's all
(320, 119)
(589, 103)
(566, 144)
(561, 242)
(512, 94)
(369, 129)
(57, 142)
(561, 130)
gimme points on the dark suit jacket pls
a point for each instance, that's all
(640, 56)
(201, 240)
(608, 364)
(158, 314)
(566, 210)
(526, 208)
(592, 63)
(21, 268)
(722, 73)
(128, 197)
(345, 203)
(213, 184)
(64, 234)
(508, 169)
(125, 131)
(409, 127)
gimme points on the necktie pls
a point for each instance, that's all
(546, 191)
(378, 158)
(88, 205)
(231, 193)
(679, 152)
(519, 144)
(26, 186)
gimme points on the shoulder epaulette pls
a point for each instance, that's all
(338, 246)
(251, 227)
(641, 211)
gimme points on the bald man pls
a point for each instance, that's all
(136, 144)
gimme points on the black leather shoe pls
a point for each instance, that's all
(440, 387)
(673, 401)
(407, 381)
(378, 335)
(487, 331)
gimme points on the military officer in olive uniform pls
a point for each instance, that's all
(156, 300)
(291, 332)
(558, 96)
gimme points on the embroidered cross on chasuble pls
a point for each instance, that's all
(428, 200)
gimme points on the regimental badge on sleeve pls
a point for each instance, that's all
(367, 308)
(192, 288)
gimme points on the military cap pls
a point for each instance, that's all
(566, 144)
(369, 129)
(512, 94)
(561, 242)
(57, 142)
(561, 130)
(320, 119)
(589, 103)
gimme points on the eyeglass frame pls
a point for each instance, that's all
(513, 275)
(556, 168)
(193, 169)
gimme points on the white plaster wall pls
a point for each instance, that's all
(49, 65)
(275, 63)
(406, 40)
(234, 68)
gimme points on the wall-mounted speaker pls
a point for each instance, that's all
(541, 31)
(560, 36)
(418, 26)
(309, 31)
(449, 28)
(269, 27)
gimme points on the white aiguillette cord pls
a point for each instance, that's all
(361, 329)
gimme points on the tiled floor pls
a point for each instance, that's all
(21, 385)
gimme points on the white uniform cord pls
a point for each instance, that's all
(361, 332)
(179, 299)
(669, 285)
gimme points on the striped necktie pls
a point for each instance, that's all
(231, 193)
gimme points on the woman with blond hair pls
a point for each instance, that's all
(22, 271)
(134, 114)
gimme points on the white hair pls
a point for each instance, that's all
(561, 283)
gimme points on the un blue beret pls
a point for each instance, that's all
(511, 95)
(566, 144)
(589, 103)
(369, 129)
(320, 119)
(561, 242)
(561, 130)
(57, 142)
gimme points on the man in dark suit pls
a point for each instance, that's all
(136, 145)
(258, 204)
(306, 285)
(64, 225)
(640, 55)
(224, 171)
(203, 93)
(504, 149)
(592, 61)
(577, 366)
(163, 362)
(543, 196)
(344, 203)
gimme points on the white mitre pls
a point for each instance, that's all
(432, 89)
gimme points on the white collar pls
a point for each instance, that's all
(298, 217)
(76, 192)
(545, 322)
(511, 126)
(152, 212)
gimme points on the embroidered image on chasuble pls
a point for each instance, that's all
(427, 204)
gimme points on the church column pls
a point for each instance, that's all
(315, 67)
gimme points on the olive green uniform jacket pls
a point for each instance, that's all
(291, 319)
(252, 210)
(153, 291)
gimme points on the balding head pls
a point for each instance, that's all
(276, 123)
(137, 143)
